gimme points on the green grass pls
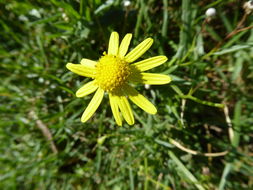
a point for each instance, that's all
(207, 108)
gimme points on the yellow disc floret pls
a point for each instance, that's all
(111, 73)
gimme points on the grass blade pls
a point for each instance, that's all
(185, 171)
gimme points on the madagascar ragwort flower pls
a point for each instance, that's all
(112, 73)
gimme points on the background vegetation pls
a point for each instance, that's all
(207, 109)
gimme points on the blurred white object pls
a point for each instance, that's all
(22, 18)
(52, 86)
(211, 12)
(65, 17)
(35, 13)
(147, 86)
(248, 6)
(41, 80)
(126, 3)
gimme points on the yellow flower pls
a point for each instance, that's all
(112, 74)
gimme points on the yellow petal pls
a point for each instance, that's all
(93, 105)
(125, 109)
(115, 109)
(139, 50)
(123, 48)
(139, 100)
(86, 89)
(150, 78)
(150, 63)
(88, 63)
(113, 44)
(81, 70)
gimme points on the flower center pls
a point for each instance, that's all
(111, 72)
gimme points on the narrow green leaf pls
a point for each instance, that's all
(225, 173)
(185, 171)
(236, 124)
(233, 49)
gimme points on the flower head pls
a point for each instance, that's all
(112, 74)
(211, 12)
(248, 7)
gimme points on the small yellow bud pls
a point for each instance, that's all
(101, 140)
